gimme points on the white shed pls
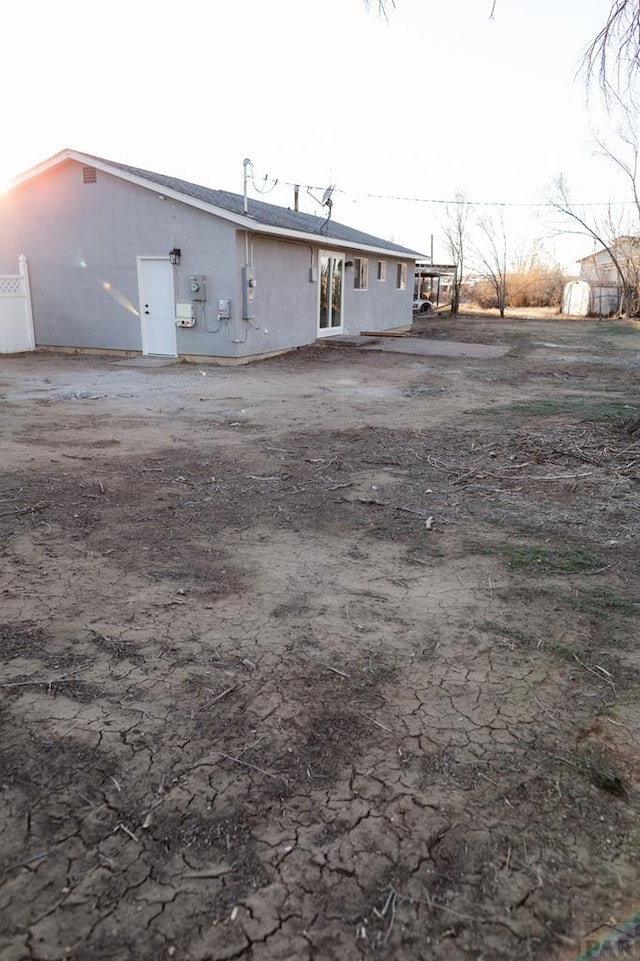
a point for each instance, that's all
(576, 299)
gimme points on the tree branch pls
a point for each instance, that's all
(614, 54)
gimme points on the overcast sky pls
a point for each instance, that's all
(439, 99)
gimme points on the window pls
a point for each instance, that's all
(401, 277)
(382, 270)
(607, 272)
(360, 273)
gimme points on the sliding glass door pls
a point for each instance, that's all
(331, 286)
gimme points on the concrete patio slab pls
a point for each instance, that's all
(437, 348)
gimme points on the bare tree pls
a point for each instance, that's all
(491, 252)
(616, 228)
(607, 231)
(456, 235)
(381, 6)
(625, 153)
(613, 57)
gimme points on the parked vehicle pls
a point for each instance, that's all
(423, 306)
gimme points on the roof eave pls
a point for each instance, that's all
(46, 165)
(322, 240)
(245, 222)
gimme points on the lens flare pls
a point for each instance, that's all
(119, 297)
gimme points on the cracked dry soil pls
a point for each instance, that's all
(332, 657)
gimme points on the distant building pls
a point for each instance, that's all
(609, 282)
(433, 282)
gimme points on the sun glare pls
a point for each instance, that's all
(119, 297)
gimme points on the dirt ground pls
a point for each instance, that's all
(330, 657)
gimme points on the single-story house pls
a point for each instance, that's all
(124, 259)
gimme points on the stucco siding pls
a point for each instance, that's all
(382, 305)
(287, 293)
(82, 241)
(285, 296)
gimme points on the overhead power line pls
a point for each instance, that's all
(497, 203)
(456, 202)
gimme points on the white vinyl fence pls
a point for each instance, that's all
(16, 318)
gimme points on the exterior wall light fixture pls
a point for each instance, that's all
(174, 256)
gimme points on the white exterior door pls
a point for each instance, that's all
(157, 306)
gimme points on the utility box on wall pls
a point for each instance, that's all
(198, 287)
(248, 292)
(185, 315)
(224, 309)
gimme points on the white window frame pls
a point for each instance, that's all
(382, 271)
(401, 276)
(360, 273)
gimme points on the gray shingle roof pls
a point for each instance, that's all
(263, 213)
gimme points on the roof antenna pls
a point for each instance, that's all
(245, 164)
